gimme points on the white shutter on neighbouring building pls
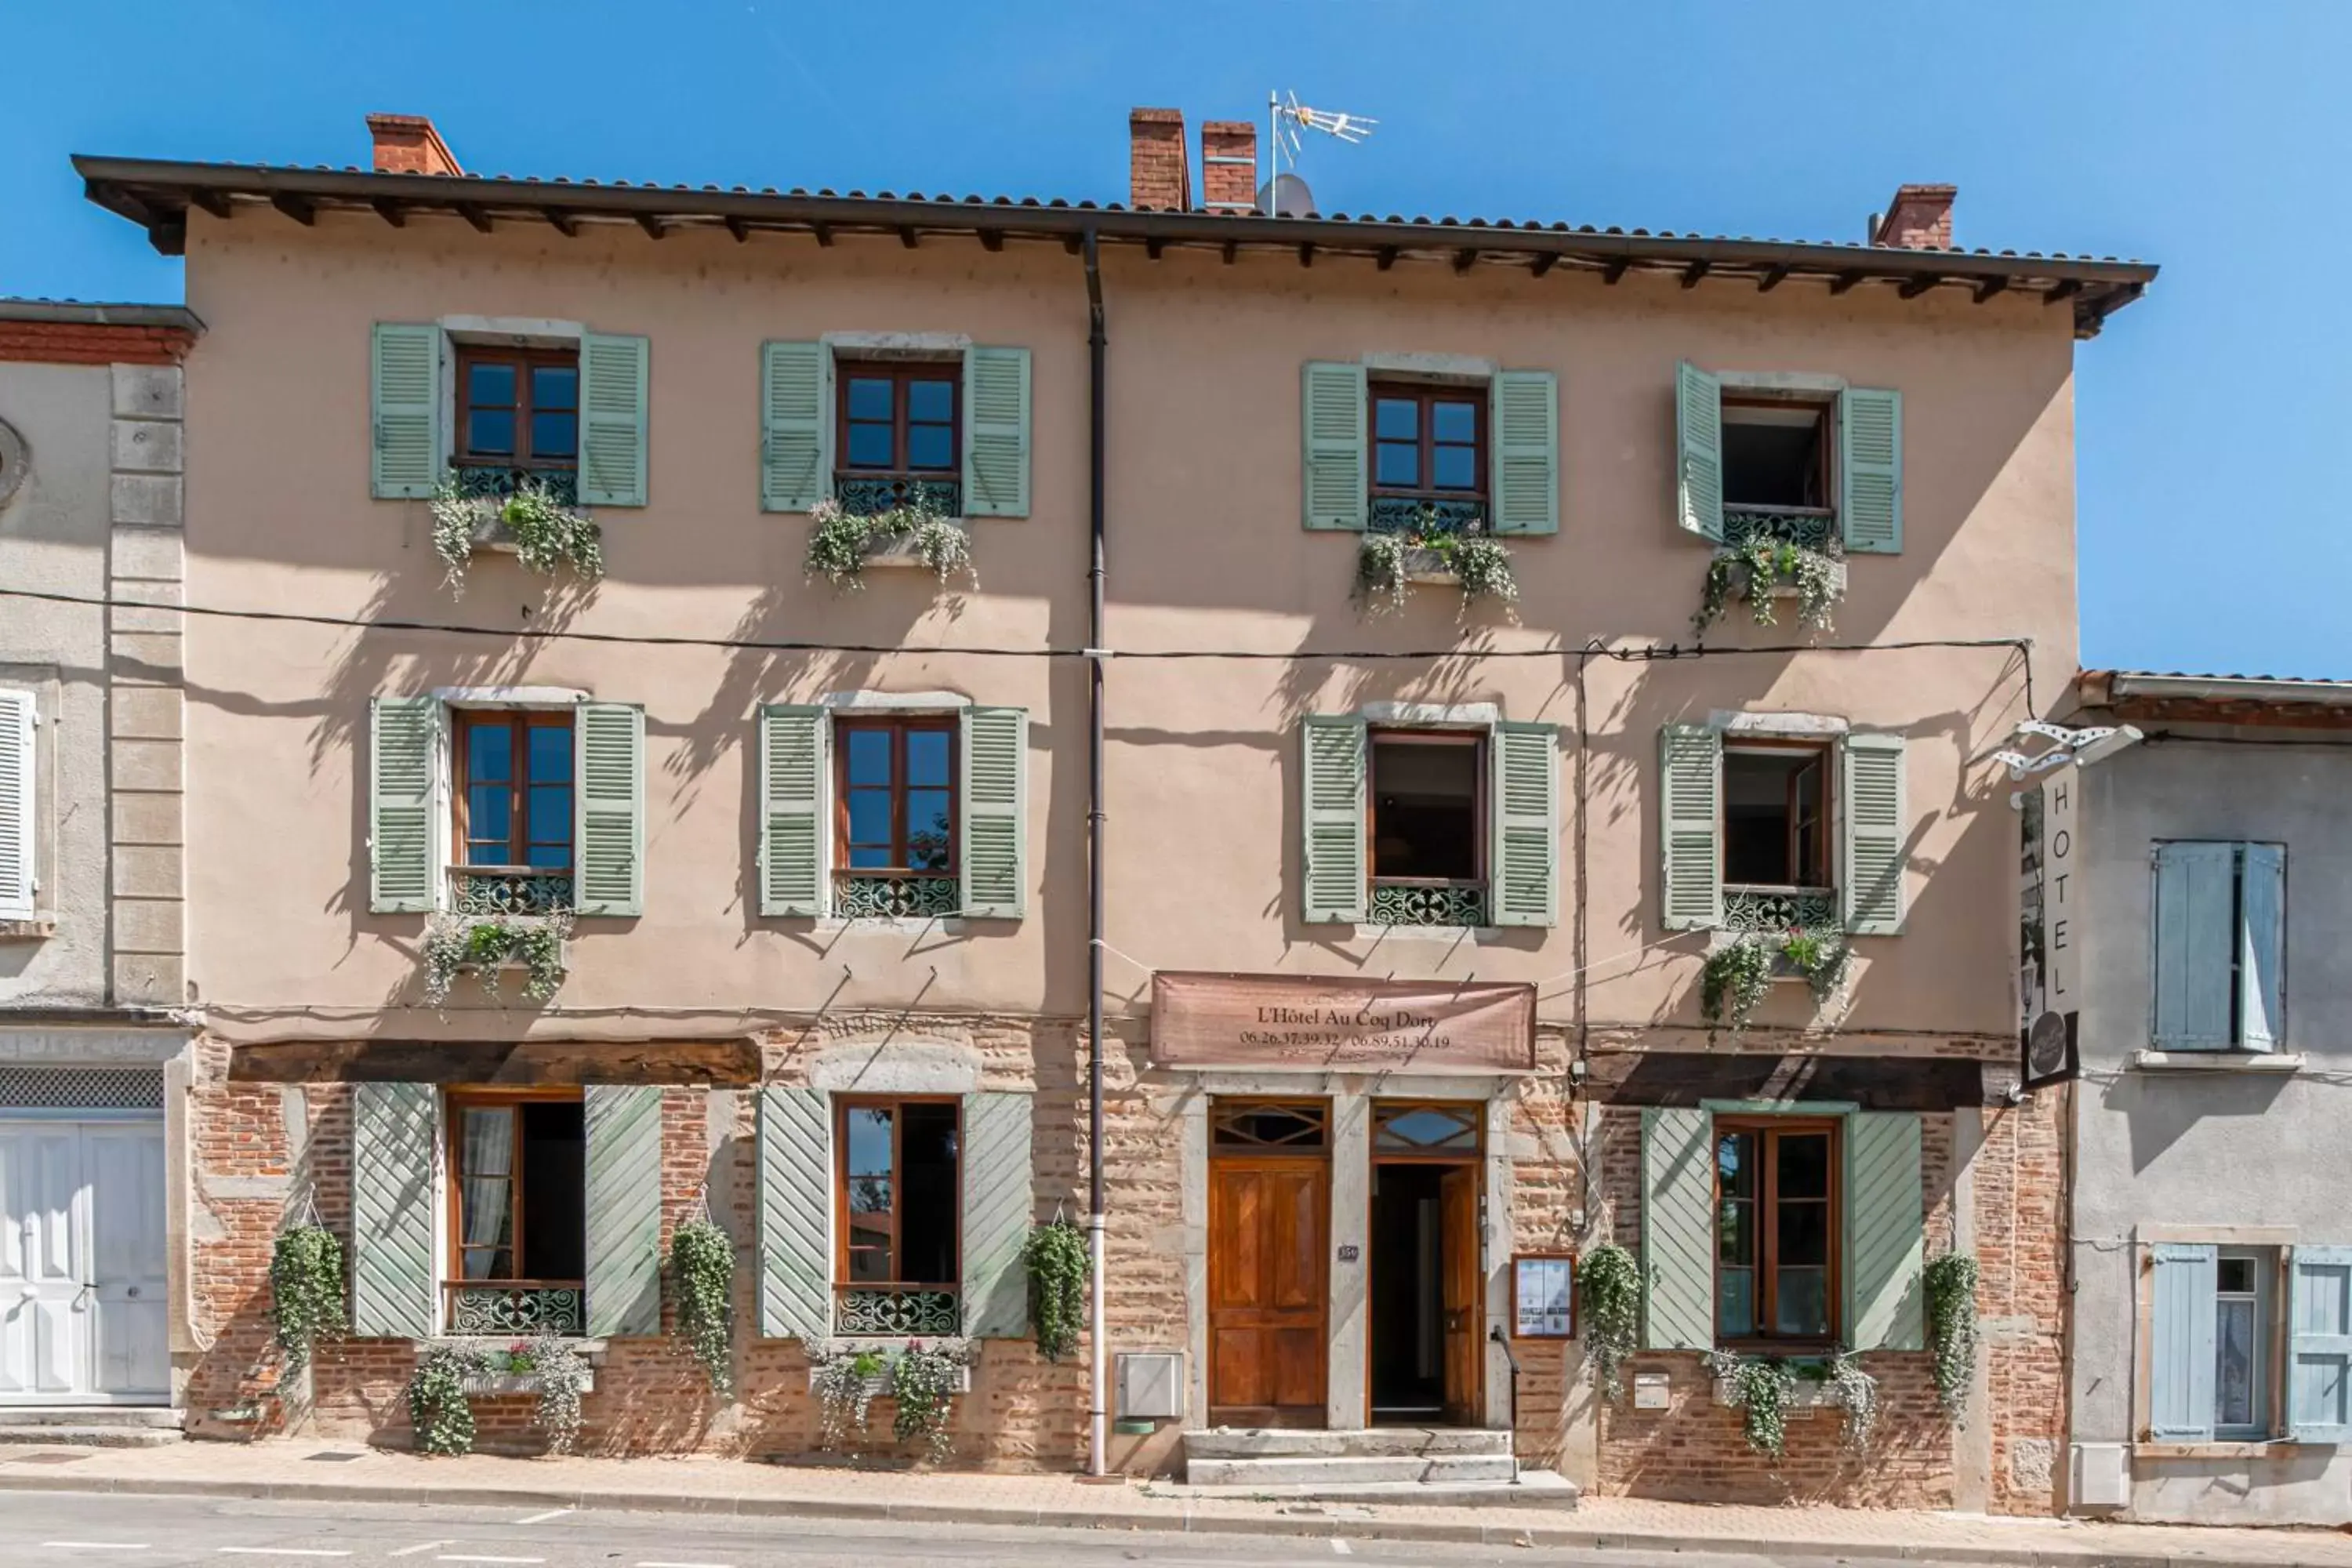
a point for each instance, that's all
(17, 884)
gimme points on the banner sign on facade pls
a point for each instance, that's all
(2049, 930)
(1276, 1021)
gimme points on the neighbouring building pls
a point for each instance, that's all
(2210, 1259)
(1408, 890)
(93, 1046)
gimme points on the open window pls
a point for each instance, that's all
(901, 1192)
(1775, 814)
(517, 1255)
(1427, 827)
(1811, 464)
(1778, 455)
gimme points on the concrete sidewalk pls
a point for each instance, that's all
(347, 1472)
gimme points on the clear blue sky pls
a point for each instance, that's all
(2213, 138)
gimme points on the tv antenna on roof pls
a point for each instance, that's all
(1286, 195)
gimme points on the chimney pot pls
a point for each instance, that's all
(407, 144)
(1918, 218)
(1159, 174)
(1229, 165)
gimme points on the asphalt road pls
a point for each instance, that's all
(43, 1529)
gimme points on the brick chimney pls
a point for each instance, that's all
(1229, 165)
(407, 144)
(1157, 176)
(1918, 218)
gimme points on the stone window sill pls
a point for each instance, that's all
(2284, 1062)
(1480, 935)
(906, 925)
(2235, 1449)
(40, 928)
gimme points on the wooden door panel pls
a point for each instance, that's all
(1458, 1194)
(1269, 1226)
(1299, 1357)
(1296, 1275)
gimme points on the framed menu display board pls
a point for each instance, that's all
(1543, 1296)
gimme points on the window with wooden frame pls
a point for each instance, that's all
(899, 1193)
(1429, 441)
(1428, 807)
(513, 798)
(898, 416)
(1777, 1209)
(518, 1189)
(1776, 816)
(518, 408)
(1403, 1127)
(1780, 454)
(1270, 1127)
(897, 788)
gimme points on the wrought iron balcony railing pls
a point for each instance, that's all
(1426, 515)
(507, 890)
(865, 495)
(1814, 527)
(1427, 904)
(896, 1309)
(1768, 911)
(887, 895)
(483, 482)
(517, 1307)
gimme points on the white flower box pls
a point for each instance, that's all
(482, 1383)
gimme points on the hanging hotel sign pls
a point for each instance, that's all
(1281, 1021)
(2050, 937)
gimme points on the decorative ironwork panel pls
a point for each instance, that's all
(1815, 528)
(1413, 514)
(509, 893)
(1423, 904)
(869, 896)
(896, 1311)
(1773, 912)
(476, 483)
(867, 495)
(518, 1310)
(81, 1088)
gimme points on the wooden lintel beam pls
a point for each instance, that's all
(907, 236)
(1306, 253)
(1232, 250)
(1697, 270)
(1915, 287)
(562, 222)
(298, 208)
(1386, 258)
(824, 232)
(1616, 269)
(1843, 282)
(1989, 287)
(740, 229)
(475, 216)
(1774, 276)
(391, 211)
(213, 201)
(1544, 262)
(2066, 290)
(651, 225)
(992, 239)
(1464, 260)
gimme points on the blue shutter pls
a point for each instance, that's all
(613, 391)
(1877, 822)
(2195, 894)
(795, 426)
(2180, 1350)
(996, 433)
(1523, 413)
(1698, 452)
(1678, 1229)
(624, 1187)
(993, 846)
(2320, 1345)
(796, 1215)
(1870, 494)
(1885, 1239)
(392, 1209)
(404, 803)
(1525, 834)
(1331, 435)
(609, 810)
(1690, 845)
(405, 383)
(2262, 947)
(998, 1187)
(1331, 881)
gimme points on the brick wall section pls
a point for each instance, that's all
(1918, 218)
(1228, 187)
(1158, 176)
(93, 343)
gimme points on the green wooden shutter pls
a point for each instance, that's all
(995, 839)
(1870, 492)
(610, 827)
(1332, 867)
(1678, 1229)
(404, 462)
(1870, 880)
(1885, 1237)
(1523, 406)
(392, 1283)
(623, 1202)
(1690, 829)
(2262, 946)
(613, 389)
(999, 1203)
(796, 1215)
(2196, 892)
(792, 811)
(996, 432)
(2320, 1345)
(795, 426)
(404, 752)
(17, 883)
(1331, 426)
(1698, 460)
(1526, 826)
(2180, 1350)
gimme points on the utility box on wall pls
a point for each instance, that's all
(1151, 1386)
(2101, 1475)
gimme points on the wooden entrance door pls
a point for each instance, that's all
(1269, 1229)
(1458, 1202)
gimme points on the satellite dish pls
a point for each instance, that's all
(1285, 195)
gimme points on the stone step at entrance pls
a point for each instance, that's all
(1396, 1463)
(91, 1426)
